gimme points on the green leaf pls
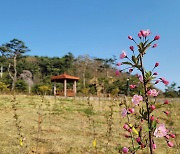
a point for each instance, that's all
(127, 63)
(134, 59)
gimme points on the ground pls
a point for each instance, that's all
(58, 126)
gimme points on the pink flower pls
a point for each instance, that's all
(157, 37)
(132, 86)
(154, 46)
(170, 144)
(145, 33)
(153, 92)
(125, 150)
(155, 73)
(152, 107)
(136, 99)
(166, 101)
(172, 135)
(118, 64)
(124, 112)
(130, 70)
(132, 48)
(139, 35)
(123, 55)
(117, 72)
(140, 78)
(131, 110)
(130, 37)
(157, 64)
(126, 127)
(160, 131)
(154, 146)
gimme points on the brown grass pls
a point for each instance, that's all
(65, 127)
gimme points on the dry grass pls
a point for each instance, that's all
(65, 127)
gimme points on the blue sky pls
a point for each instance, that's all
(98, 28)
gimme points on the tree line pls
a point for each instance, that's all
(32, 74)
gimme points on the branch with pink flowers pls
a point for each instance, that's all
(142, 107)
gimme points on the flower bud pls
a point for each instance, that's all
(125, 150)
(130, 70)
(157, 64)
(117, 72)
(152, 107)
(132, 48)
(166, 101)
(130, 37)
(152, 118)
(138, 139)
(172, 135)
(118, 64)
(154, 146)
(157, 37)
(155, 73)
(131, 110)
(166, 112)
(126, 127)
(157, 81)
(170, 144)
(154, 46)
(167, 137)
(139, 34)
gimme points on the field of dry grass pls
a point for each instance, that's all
(60, 126)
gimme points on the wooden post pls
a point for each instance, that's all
(65, 87)
(74, 87)
(54, 88)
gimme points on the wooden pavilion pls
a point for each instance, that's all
(64, 78)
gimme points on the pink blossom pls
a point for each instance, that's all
(157, 37)
(123, 55)
(131, 110)
(124, 112)
(125, 150)
(170, 144)
(152, 107)
(136, 99)
(132, 86)
(132, 48)
(130, 37)
(154, 46)
(152, 92)
(117, 72)
(126, 127)
(145, 33)
(139, 35)
(172, 135)
(154, 146)
(157, 64)
(160, 131)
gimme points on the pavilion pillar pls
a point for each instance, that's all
(54, 88)
(65, 87)
(74, 87)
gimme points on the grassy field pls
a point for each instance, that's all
(60, 126)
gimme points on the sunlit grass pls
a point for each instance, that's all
(65, 126)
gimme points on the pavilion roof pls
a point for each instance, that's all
(64, 76)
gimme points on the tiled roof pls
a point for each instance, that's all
(64, 76)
